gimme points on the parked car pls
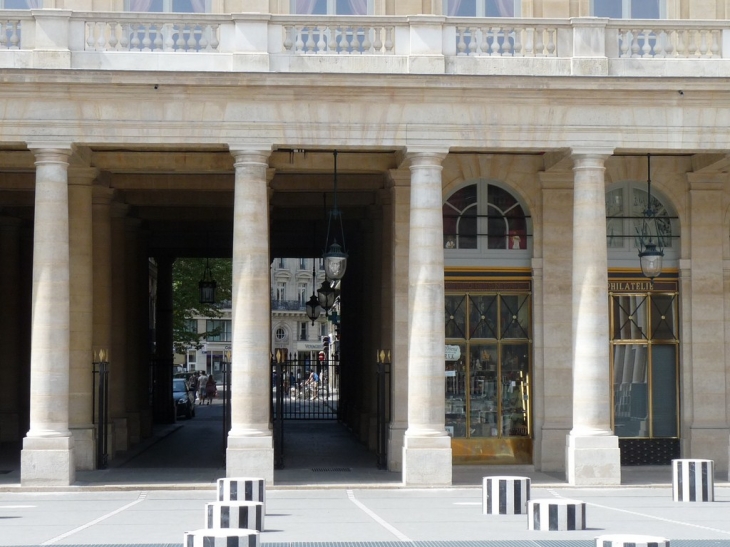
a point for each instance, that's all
(183, 397)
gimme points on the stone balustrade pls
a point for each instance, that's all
(419, 44)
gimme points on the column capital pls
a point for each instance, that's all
(398, 178)
(53, 152)
(425, 156)
(250, 154)
(591, 153)
(102, 195)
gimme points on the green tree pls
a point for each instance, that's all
(186, 274)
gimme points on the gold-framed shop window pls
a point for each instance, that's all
(488, 366)
(645, 344)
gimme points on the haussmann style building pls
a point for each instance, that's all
(498, 164)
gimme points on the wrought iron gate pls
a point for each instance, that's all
(302, 391)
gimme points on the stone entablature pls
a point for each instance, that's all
(417, 44)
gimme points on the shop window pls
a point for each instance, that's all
(488, 365)
(629, 9)
(482, 8)
(644, 355)
(332, 7)
(484, 217)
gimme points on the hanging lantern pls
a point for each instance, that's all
(207, 286)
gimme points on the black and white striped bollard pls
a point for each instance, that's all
(505, 495)
(222, 537)
(693, 480)
(242, 489)
(235, 514)
(556, 515)
(631, 540)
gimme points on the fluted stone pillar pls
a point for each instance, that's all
(427, 447)
(592, 453)
(118, 375)
(400, 214)
(10, 364)
(81, 313)
(47, 457)
(250, 450)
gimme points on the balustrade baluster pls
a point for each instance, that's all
(366, 43)
(135, 37)
(4, 27)
(180, 42)
(146, 41)
(472, 41)
(671, 36)
(288, 42)
(124, 38)
(113, 38)
(495, 41)
(517, 46)
(101, 40)
(692, 44)
(321, 43)
(332, 40)
(540, 41)
(529, 49)
(158, 42)
(90, 36)
(681, 43)
(349, 40)
(551, 42)
(299, 41)
(310, 40)
(203, 43)
(507, 42)
(646, 47)
(634, 43)
(389, 43)
(168, 30)
(703, 43)
(483, 48)
(461, 44)
(715, 48)
(659, 41)
(624, 40)
(378, 39)
(192, 43)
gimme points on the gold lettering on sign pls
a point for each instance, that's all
(616, 286)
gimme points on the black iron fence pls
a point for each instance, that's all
(303, 391)
(384, 404)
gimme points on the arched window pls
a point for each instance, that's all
(483, 217)
(280, 334)
(625, 206)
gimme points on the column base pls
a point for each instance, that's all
(9, 427)
(84, 448)
(251, 457)
(47, 461)
(395, 447)
(593, 460)
(427, 461)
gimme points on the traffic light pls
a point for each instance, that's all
(326, 344)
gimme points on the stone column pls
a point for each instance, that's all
(708, 433)
(592, 453)
(82, 318)
(118, 374)
(10, 365)
(552, 406)
(250, 451)
(47, 457)
(427, 447)
(400, 214)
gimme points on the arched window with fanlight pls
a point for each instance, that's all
(483, 218)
